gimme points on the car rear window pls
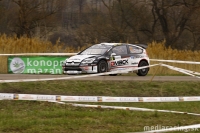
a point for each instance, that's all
(135, 50)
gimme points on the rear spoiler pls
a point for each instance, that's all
(142, 45)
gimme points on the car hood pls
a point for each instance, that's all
(79, 58)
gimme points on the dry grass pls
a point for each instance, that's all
(159, 51)
(10, 45)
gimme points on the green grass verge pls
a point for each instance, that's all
(45, 117)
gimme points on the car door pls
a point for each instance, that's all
(120, 59)
(135, 54)
(120, 51)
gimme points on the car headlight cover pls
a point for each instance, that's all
(64, 62)
(88, 60)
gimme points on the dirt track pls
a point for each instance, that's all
(133, 78)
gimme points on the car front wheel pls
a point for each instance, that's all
(144, 71)
(102, 66)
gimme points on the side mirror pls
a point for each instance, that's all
(112, 56)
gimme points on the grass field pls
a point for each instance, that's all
(45, 117)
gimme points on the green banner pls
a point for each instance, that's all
(36, 64)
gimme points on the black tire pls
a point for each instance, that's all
(143, 72)
(113, 74)
(102, 66)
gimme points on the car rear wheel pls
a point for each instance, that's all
(102, 66)
(144, 71)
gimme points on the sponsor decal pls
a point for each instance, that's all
(137, 56)
(86, 68)
(110, 99)
(27, 97)
(58, 98)
(6, 96)
(99, 99)
(46, 97)
(69, 98)
(89, 99)
(129, 99)
(112, 63)
(16, 96)
(17, 65)
(117, 57)
(151, 99)
(112, 58)
(94, 68)
(134, 63)
(191, 98)
(140, 99)
(119, 62)
(169, 99)
(181, 99)
(35, 64)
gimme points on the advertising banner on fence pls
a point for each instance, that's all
(36, 64)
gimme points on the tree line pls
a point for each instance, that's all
(79, 22)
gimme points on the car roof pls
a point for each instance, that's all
(117, 44)
(112, 44)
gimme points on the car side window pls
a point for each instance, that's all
(135, 50)
(120, 50)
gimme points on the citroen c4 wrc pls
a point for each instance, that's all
(107, 57)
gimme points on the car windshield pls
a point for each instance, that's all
(95, 50)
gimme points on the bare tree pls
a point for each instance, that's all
(4, 6)
(173, 17)
(31, 13)
(194, 29)
(92, 21)
(117, 21)
(135, 16)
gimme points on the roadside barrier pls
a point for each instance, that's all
(81, 76)
(52, 54)
(124, 108)
(58, 99)
(62, 99)
(67, 54)
(187, 72)
(65, 98)
(181, 69)
(176, 61)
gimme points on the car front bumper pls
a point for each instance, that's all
(79, 70)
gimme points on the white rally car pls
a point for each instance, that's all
(106, 57)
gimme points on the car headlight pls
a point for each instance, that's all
(64, 62)
(88, 60)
